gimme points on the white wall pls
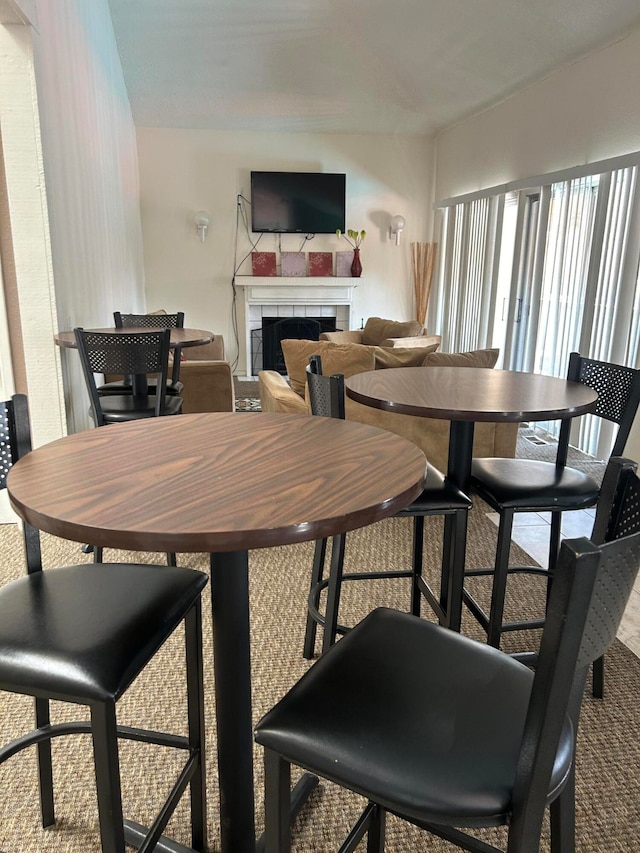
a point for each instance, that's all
(182, 171)
(91, 173)
(581, 114)
(27, 282)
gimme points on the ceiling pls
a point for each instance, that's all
(347, 66)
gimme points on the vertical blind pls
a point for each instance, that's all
(574, 278)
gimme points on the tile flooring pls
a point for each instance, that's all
(531, 532)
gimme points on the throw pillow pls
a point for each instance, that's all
(376, 330)
(402, 356)
(475, 358)
(347, 359)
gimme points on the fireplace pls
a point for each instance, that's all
(266, 349)
(327, 300)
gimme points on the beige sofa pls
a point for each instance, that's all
(432, 435)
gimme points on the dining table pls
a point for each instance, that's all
(465, 396)
(222, 484)
(179, 338)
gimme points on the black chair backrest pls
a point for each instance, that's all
(154, 321)
(326, 393)
(15, 442)
(148, 321)
(123, 353)
(618, 390)
(590, 590)
(618, 511)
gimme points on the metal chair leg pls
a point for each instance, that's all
(499, 588)
(195, 710)
(107, 769)
(375, 836)
(418, 548)
(333, 590)
(45, 769)
(317, 572)
(597, 678)
(562, 814)
(277, 775)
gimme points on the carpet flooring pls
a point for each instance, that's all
(608, 764)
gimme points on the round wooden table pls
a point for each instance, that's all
(220, 483)
(179, 337)
(465, 395)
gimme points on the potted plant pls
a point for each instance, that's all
(354, 238)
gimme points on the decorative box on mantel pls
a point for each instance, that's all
(325, 296)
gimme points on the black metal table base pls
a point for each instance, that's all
(135, 833)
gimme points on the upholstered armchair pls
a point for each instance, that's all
(207, 379)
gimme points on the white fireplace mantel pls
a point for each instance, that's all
(303, 296)
(299, 290)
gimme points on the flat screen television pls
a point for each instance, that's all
(298, 202)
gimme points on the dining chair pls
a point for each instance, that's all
(621, 492)
(449, 733)
(82, 634)
(510, 486)
(128, 354)
(159, 320)
(439, 497)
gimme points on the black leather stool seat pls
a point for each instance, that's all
(439, 496)
(417, 718)
(525, 483)
(83, 633)
(120, 386)
(126, 407)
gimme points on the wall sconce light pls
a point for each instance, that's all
(202, 223)
(396, 227)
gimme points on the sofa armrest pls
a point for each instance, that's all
(353, 337)
(208, 386)
(276, 395)
(413, 341)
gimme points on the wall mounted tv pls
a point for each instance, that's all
(297, 202)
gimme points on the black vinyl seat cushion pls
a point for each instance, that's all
(120, 386)
(440, 495)
(420, 719)
(83, 633)
(127, 407)
(529, 484)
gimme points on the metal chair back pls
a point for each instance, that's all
(139, 353)
(326, 393)
(618, 390)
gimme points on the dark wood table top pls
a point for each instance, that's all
(216, 481)
(179, 337)
(471, 394)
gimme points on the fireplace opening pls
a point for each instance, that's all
(267, 352)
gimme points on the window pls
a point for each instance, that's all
(541, 271)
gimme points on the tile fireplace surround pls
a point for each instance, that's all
(292, 297)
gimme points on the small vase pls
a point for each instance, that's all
(356, 266)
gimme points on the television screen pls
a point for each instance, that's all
(297, 202)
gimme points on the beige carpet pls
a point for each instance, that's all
(609, 747)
